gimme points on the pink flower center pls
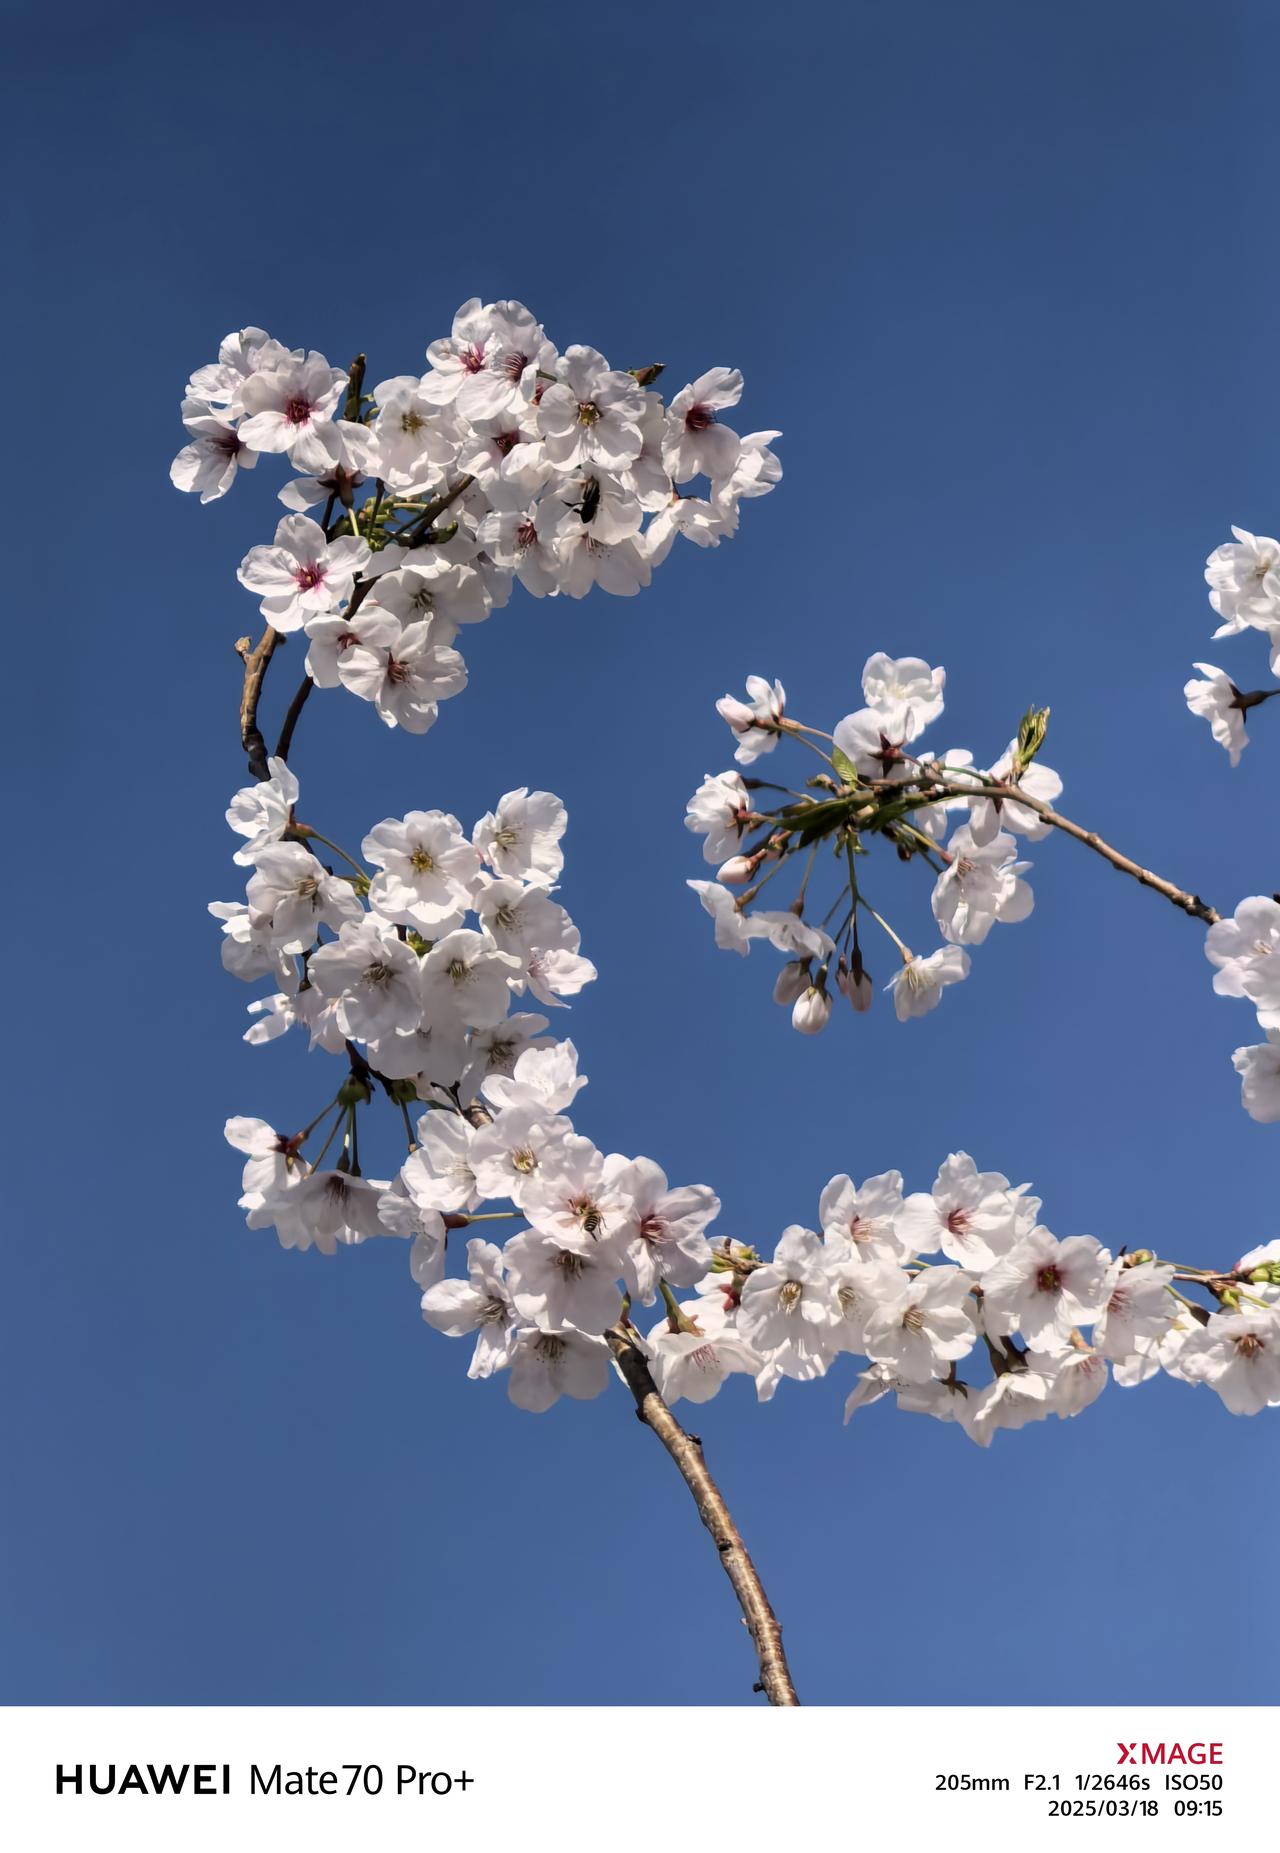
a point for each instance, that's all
(473, 358)
(397, 672)
(699, 418)
(652, 1228)
(308, 577)
(297, 411)
(527, 534)
(505, 442)
(514, 365)
(1049, 1279)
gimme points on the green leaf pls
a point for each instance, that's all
(844, 766)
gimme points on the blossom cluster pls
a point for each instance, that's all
(506, 459)
(943, 812)
(1244, 589)
(1007, 1290)
(380, 966)
(381, 970)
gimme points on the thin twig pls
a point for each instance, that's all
(412, 535)
(686, 1451)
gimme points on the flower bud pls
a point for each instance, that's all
(735, 871)
(855, 984)
(793, 980)
(354, 1092)
(811, 1012)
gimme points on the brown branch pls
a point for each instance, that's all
(1189, 903)
(686, 1451)
(1014, 794)
(255, 668)
(296, 706)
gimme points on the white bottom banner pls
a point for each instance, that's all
(940, 1778)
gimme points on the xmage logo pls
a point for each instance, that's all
(1169, 1753)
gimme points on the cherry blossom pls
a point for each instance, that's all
(1216, 699)
(402, 670)
(918, 985)
(696, 443)
(285, 400)
(302, 572)
(1258, 1066)
(480, 1304)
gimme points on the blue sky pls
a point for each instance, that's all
(1006, 278)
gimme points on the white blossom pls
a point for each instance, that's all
(757, 721)
(1216, 699)
(1259, 1069)
(1043, 1288)
(1238, 1355)
(302, 572)
(548, 1365)
(427, 867)
(479, 1304)
(402, 670)
(262, 812)
(373, 977)
(905, 693)
(918, 984)
(924, 1326)
(981, 884)
(521, 836)
(1246, 951)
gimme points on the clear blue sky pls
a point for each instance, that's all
(1007, 277)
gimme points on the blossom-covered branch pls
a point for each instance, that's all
(372, 955)
(877, 786)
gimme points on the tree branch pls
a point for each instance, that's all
(296, 706)
(255, 668)
(686, 1451)
(1189, 903)
(1014, 794)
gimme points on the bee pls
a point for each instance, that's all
(590, 503)
(592, 1222)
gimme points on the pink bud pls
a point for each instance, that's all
(855, 984)
(793, 981)
(857, 990)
